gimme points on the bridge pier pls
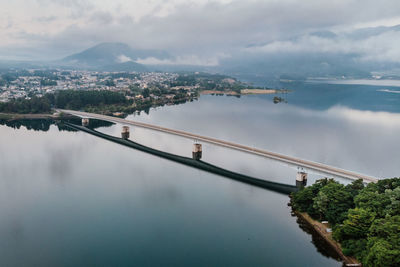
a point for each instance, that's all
(125, 132)
(319, 167)
(197, 151)
(301, 179)
(85, 122)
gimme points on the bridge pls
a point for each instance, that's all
(194, 162)
(319, 167)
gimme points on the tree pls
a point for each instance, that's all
(356, 225)
(355, 187)
(382, 253)
(387, 228)
(354, 231)
(373, 201)
(134, 89)
(384, 184)
(394, 207)
(355, 248)
(333, 202)
(304, 199)
(146, 92)
(370, 217)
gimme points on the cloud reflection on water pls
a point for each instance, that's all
(363, 141)
(117, 201)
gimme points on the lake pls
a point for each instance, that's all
(72, 199)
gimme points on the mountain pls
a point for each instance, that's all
(344, 54)
(330, 54)
(113, 56)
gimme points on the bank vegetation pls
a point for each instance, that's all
(365, 219)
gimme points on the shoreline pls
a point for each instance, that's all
(259, 91)
(29, 116)
(215, 92)
(140, 106)
(244, 92)
(321, 230)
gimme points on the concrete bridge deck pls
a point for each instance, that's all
(330, 170)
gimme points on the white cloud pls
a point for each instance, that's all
(191, 60)
(373, 118)
(123, 59)
(380, 47)
(198, 27)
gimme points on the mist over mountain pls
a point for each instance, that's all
(113, 57)
(345, 54)
(358, 53)
(342, 54)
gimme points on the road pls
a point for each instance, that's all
(255, 151)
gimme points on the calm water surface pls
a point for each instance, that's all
(71, 199)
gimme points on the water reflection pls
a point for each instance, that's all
(320, 243)
(192, 162)
(115, 206)
(362, 141)
(44, 124)
(316, 96)
(336, 136)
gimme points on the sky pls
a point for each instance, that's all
(201, 31)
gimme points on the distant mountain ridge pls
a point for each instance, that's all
(113, 57)
(325, 53)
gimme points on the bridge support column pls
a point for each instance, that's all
(301, 179)
(85, 122)
(125, 132)
(197, 151)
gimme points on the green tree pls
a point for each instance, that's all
(333, 202)
(356, 225)
(304, 199)
(373, 201)
(366, 219)
(354, 231)
(382, 253)
(355, 187)
(393, 208)
(135, 89)
(146, 92)
(355, 248)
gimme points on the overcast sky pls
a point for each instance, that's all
(191, 29)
